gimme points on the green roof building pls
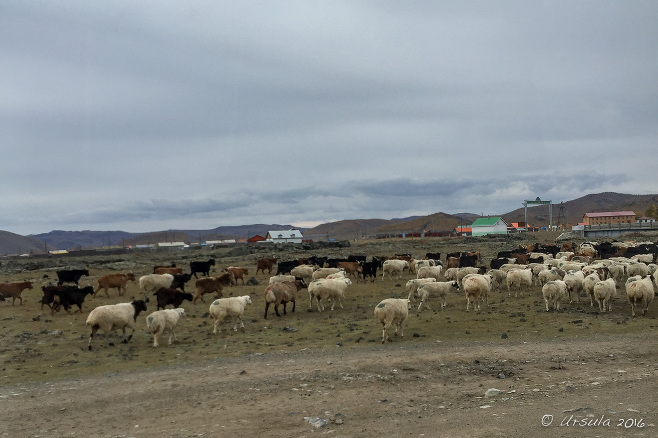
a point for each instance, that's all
(489, 225)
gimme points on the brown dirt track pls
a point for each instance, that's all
(265, 381)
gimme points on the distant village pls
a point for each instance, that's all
(610, 223)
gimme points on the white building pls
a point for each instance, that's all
(284, 236)
(488, 225)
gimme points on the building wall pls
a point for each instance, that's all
(608, 220)
(498, 228)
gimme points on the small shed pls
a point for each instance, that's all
(284, 236)
(256, 238)
(488, 225)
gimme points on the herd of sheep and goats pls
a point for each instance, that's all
(564, 272)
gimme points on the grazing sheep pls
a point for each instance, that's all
(111, 281)
(282, 293)
(304, 271)
(476, 287)
(413, 285)
(451, 274)
(229, 307)
(281, 278)
(150, 283)
(550, 275)
(14, 290)
(166, 296)
(323, 272)
(640, 292)
(394, 267)
(588, 286)
(392, 311)
(574, 281)
(499, 276)
(618, 272)
(554, 291)
(438, 289)
(115, 316)
(339, 274)
(637, 268)
(604, 292)
(429, 272)
(466, 270)
(330, 289)
(163, 320)
(517, 280)
(206, 285)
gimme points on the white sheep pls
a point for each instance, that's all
(451, 274)
(517, 280)
(554, 291)
(476, 287)
(644, 258)
(637, 268)
(392, 311)
(330, 289)
(113, 317)
(323, 272)
(150, 283)
(429, 272)
(304, 271)
(550, 275)
(640, 292)
(163, 320)
(604, 292)
(281, 278)
(394, 267)
(413, 285)
(574, 281)
(588, 286)
(233, 306)
(463, 272)
(499, 278)
(438, 289)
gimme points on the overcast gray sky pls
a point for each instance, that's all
(152, 115)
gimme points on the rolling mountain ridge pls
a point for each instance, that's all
(566, 213)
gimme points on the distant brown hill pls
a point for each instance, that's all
(573, 210)
(12, 244)
(537, 216)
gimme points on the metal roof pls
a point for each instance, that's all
(487, 221)
(284, 234)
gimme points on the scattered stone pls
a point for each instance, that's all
(242, 372)
(493, 392)
(317, 422)
(504, 336)
(501, 375)
(289, 329)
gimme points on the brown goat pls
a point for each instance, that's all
(207, 285)
(111, 281)
(168, 270)
(14, 290)
(238, 272)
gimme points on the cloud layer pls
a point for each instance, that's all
(161, 115)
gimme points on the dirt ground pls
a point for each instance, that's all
(573, 373)
(600, 386)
